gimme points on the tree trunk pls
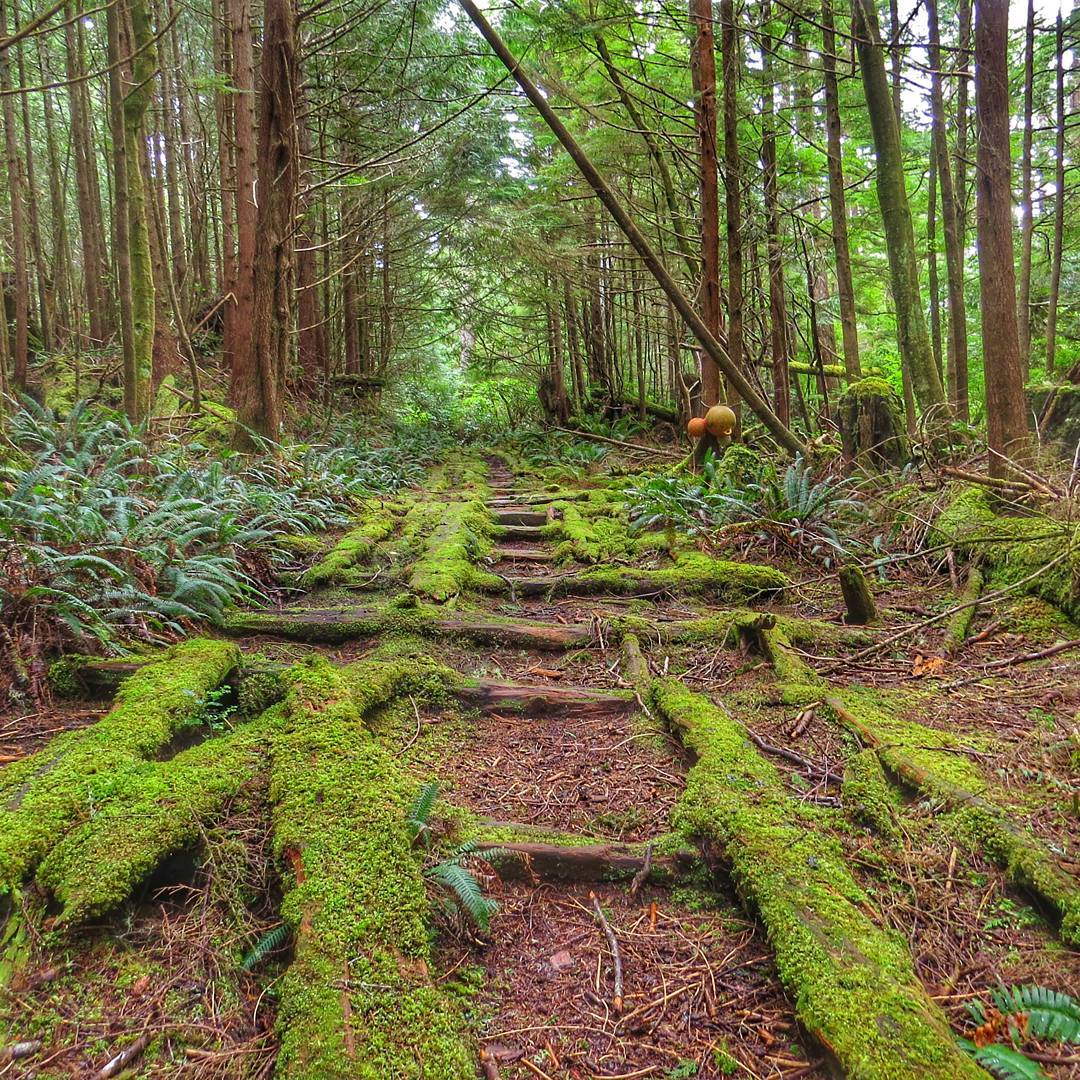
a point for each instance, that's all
(278, 163)
(1059, 202)
(20, 351)
(931, 252)
(778, 335)
(703, 70)
(837, 202)
(1027, 223)
(310, 338)
(954, 251)
(1005, 405)
(912, 338)
(731, 54)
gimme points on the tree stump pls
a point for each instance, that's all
(872, 425)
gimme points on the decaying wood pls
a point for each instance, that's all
(122, 1060)
(1027, 862)
(859, 601)
(520, 517)
(541, 555)
(541, 700)
(589, 862)
(650, 450)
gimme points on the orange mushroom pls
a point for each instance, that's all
(696, 428)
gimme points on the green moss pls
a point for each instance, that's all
(868, 795)
(1014, 548)
(157, 809)
(45, 794)
(357, 1001)
(452, 537)
(853, 983)
(377, 521)
(933, 763)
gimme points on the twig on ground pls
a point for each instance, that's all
(643, 874)
(613, 945)
(125, 1058)
(1012, 661)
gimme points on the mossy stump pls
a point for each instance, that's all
(872, 426)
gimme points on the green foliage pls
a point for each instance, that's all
(1036, 1012)
(806, 515)
(420, 812)
(101, 541)
(1004, 1062)
(269, 943)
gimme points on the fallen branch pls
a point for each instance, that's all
(1012, 661)
(125, 1058)
(613, 945)
(620, 442)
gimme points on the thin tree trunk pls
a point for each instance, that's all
(837, 202)
(1006, 418)
(912, 338)
(731, 54)
(1059, 201)
(61, 254)
(778, 335)
(954, 251)
(703, 69)
(931, 251)
(1027, 221)
(16, 184)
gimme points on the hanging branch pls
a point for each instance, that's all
(603, 191)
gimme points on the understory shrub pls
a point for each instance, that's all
(103, 541)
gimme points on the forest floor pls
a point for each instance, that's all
(558, 742)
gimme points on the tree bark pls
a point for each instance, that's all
(950, 217)
(1005, 405)
(913, 341)
(20, 350)
(1027, 222)
(1059, 201)
(731, 54)
(837, 202)
(778, 329)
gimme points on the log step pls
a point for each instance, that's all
(522, 516)
(494, 696)
(523, 532)
(349, 624)
(523, 554)
(590, 862)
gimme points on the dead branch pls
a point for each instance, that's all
(613, 945)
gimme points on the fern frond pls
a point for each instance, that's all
(270, 942)
(1004, 1062)
(420, 812)
(466, 891)
(1048, 1014)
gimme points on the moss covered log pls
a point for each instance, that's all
(852, 982)
(357, 1001)
(690, 574)
(1012, 549)
(452, 538)
(156, 810)
(44, 795)
(932, 762)
(377, 521)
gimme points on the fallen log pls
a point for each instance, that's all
(527, 861)
(542, 700)
(506, 517)
(920, 758)
(853, 983)
(524, 554)
(348, 624)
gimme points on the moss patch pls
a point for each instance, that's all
(44, 795)
(452, 537)
(869, 797)
(357, 1001)
(853, 983)
(377, 521)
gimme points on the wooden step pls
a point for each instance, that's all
(333, 626)
(522, 532)
(524, 554)
(521, 517)
(494, 696)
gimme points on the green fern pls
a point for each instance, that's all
(420, 812)
(1003, 1061)
(460, 882)
(270, 942)
(1050, 1014)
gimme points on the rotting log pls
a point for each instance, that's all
(377, 521)
(498, 697)
(858, 599)
(90, 677)
(529, 861)
(161, 807)
(853, 983)
(357, 1001)
(691, 573)
(347, 624)
(43, 795)
(958, 627)
(920, 757)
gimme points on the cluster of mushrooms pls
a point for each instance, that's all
(718, 421)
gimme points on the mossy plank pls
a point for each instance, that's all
(852, 982)
(156, 810)
(44, 795)
(907, 750)
(357, 1001)
(452, 538)
(377, 521)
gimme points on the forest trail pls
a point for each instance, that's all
(620, 741)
